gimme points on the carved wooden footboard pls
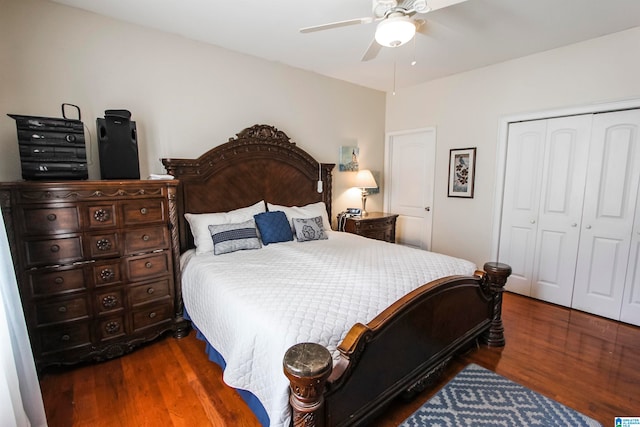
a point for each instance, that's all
(402, 350)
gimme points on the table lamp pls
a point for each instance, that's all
(364, 181)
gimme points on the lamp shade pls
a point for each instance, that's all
(395, 31)
(364, 179)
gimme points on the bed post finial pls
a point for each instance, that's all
(307, 365)
(497, 274)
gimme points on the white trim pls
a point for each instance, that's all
(501, 149)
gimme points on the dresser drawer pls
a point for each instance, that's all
(378, 234)
(103, 245)
(63, 250)
(107, 273)
(64, 337)
(110, 300)
(101, 216)
(147, 266)
(145, 239)
(151, 316)
(62, 310)
(143, 212)
(375, 225)
(50, 220)
(110, 328)
(150, 291)
(42, 283)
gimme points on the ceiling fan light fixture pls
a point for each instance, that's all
(395, 31)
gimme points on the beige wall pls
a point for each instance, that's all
(466, 110)
(185, 96)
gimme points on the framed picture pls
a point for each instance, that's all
(462, 171)
(349, 159)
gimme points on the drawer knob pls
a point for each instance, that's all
(112, 327)
(143, 211)
(145, 238)
(65, 337)
(103, 244)
(59, 280)
(109, 301)
(148, 264)
(55, 248)
(101, 215)
(152, 315)
(107, 274)
(52, 217)
(150, 291)
(62, 309)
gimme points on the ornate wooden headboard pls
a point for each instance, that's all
(259, 163)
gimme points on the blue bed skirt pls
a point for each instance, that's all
(250, 399)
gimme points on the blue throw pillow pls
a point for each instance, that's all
(273, 227)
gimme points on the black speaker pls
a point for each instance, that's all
(118, 146)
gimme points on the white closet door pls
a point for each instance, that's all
(608, 216)
(559, 216)
(525, 153)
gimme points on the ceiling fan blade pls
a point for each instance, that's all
(421, 26)
(373, 51)
(338, 24)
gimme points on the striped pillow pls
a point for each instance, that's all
(234, 237)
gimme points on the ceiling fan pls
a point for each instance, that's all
(397, 25)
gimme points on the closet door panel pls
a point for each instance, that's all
(521, 202)
(558, 233)
(608, 215)
(630, 312)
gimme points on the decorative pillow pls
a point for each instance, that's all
(311, 210)
(309, 229)
(273, 227)
(228, 238)
(199, 223)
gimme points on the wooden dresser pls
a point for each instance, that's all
(375, 225)
(96, 265)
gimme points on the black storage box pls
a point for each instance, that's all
(51, 148)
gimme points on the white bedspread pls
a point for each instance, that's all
(253, 305)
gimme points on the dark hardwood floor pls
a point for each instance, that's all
(586, 362)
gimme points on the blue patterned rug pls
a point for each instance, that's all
(479, 397)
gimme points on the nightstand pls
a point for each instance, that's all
(375, 225)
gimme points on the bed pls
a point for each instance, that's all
(320, 327)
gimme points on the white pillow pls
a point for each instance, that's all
(199, 223)
(308, 211)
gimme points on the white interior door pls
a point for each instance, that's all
(608, 216)
(409, 174)
(518, 229)
(561, 198)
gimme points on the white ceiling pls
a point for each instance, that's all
(461, 37)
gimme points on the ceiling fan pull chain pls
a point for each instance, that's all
(414, 62)
(395, 60)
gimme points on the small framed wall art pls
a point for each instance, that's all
(349, 159)
(462, 171)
